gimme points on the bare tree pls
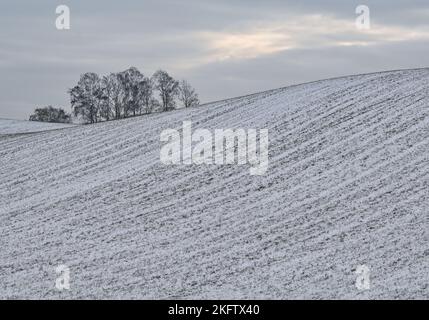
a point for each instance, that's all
(129, 80)
(86, 97)
(111, 87)
(167, 87)
(187, 95)
(146, 94)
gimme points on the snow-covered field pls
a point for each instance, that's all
(9, 126)
(347, 184)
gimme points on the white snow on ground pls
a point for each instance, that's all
(10, 126)
(347, 184)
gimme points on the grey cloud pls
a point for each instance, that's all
(298, 66)
(38, 63)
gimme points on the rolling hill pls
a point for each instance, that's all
(347, 185)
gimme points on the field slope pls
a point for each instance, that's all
(10, 126)
(347, 184)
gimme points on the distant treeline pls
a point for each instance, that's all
(121, 95)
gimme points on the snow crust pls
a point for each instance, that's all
(347, 184)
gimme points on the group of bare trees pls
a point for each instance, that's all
(50, 114)
(128, 93)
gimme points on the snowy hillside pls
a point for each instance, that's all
(9, 126)
(347, 185)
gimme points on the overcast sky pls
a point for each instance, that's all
(225, 48)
